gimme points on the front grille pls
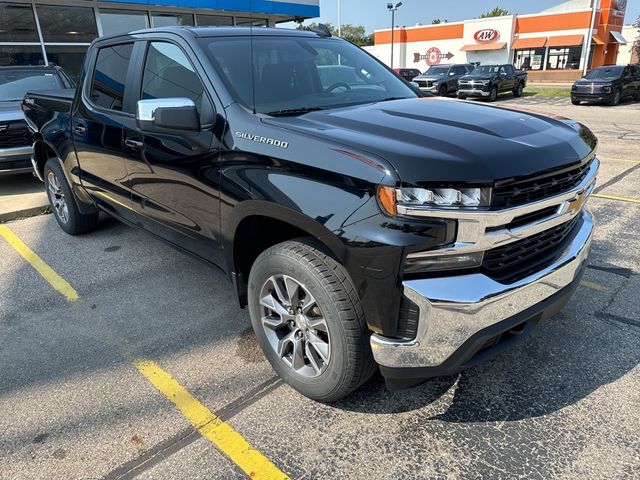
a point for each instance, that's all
(524, 257)
(15, 165)
(530, 189)
(422, 83)
(14, 134)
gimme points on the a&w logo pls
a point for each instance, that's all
(487, 35)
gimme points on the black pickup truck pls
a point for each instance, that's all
(487, 81)
(361, 225)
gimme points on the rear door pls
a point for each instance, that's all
(174, 175)
(97, 122)
(507, 78)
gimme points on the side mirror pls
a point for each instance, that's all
(167, 113)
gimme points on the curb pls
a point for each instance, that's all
(27, 212)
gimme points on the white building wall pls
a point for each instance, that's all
(630, 33)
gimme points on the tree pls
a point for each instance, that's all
(636, 45)
(437, 21)
(496, 12)
(356, 34)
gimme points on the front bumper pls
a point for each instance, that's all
(458, 314)
(592, 97)
(473, 92)
(15, 160)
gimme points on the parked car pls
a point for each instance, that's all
(487, 81)
(608, 84)
(442, 79)
(15, 137)
(363, 228)
(408, 73)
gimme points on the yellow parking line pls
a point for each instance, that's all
(592, 286)
(230, 442)
(55, 280)
(613, 197)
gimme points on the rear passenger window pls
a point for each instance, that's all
(168, 73)
(109, 76)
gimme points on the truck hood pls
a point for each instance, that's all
(429, 78)
(10, 111)
(477, 77)
(441, 140)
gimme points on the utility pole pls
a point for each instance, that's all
(587, 50)
(392, 8)
(339, 20)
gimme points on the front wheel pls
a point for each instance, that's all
(493, 94)
(615, 100)
(308, 320)
(443, 91)
(575, 102)
(63, 202)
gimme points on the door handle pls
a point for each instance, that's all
(79, 129)
(134, 144)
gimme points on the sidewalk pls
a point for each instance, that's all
(21, 196)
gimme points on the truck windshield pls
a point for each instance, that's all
(437, 71)
(486, 70)
(14, 84)
(603, 73)
(297, 74)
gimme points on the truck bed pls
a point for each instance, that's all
(58, 100)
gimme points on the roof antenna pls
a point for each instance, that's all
(323, 31)
(253, 66)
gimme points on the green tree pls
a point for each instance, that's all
(437, 21)
(356, 34)
(636, 45)
(496, 12)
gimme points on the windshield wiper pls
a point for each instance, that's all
(293, 112)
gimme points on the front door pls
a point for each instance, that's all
(174, 175)
(97, 128)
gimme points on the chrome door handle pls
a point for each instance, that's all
(79, 129)
(134, 144)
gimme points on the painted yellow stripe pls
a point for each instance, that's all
(592, 286)
(224, 437)
(55, 280)
(613, 197)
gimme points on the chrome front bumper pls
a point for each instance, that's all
(474, 92)
(454, 309)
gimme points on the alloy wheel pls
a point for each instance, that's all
(56, 195)
(295, 326)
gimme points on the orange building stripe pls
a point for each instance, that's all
(557, 21)
(438, 32)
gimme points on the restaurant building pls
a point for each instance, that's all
(552, 45)
(59, 31)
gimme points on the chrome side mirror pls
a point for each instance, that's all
(167, 113)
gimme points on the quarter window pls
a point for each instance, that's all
(109, 77)
(168, 73)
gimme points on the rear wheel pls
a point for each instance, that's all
(493, 94)
(443, 91)
(517, 92)
(308, 320)
(462, 97)
(63, 201)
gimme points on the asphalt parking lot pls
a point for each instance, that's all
(113, 345)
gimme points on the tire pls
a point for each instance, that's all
(443, 91)
(462, 97)
(615, 100)
(575, 102)
(335, 317)
(517, 92)
(493, 95)
(63, 201)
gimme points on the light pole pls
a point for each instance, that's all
(339, 20)
(392, 8)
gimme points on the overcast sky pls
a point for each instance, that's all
(373, 13)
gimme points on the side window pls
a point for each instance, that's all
(461, 70)
(509, 70)
(110, 75)
(168, 73)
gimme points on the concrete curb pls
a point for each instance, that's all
(25, 212)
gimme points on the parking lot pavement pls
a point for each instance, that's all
(20, 196)
(563, 403)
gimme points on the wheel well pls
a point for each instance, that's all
(41, 153)
(252, 237)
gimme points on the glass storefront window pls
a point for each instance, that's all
(70, 58)
(171, 19)
(214, 20)
(67, 24)
(122, 21)
(246, 22)
(11, 55)
(561, 58)
(17, 23)
(529, 59)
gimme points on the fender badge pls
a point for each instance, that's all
(260, 139)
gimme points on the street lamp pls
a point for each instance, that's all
(393, 9)
(339, 20)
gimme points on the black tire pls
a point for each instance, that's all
(350, 361)
(63, 201)
(575, 102)
(636, 97)
(615, 100)
(517, 92)
(443, 91)
(462, 97)
(493, 94)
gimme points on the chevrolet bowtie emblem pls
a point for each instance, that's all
(576, 204)
(4, 126)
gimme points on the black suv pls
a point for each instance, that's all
(442, 79)
(608, 84)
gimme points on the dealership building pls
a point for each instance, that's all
(552, 45)
(59, 31)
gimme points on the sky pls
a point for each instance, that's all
(373, 13)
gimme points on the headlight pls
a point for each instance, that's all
(472, 197)
(607, 89)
